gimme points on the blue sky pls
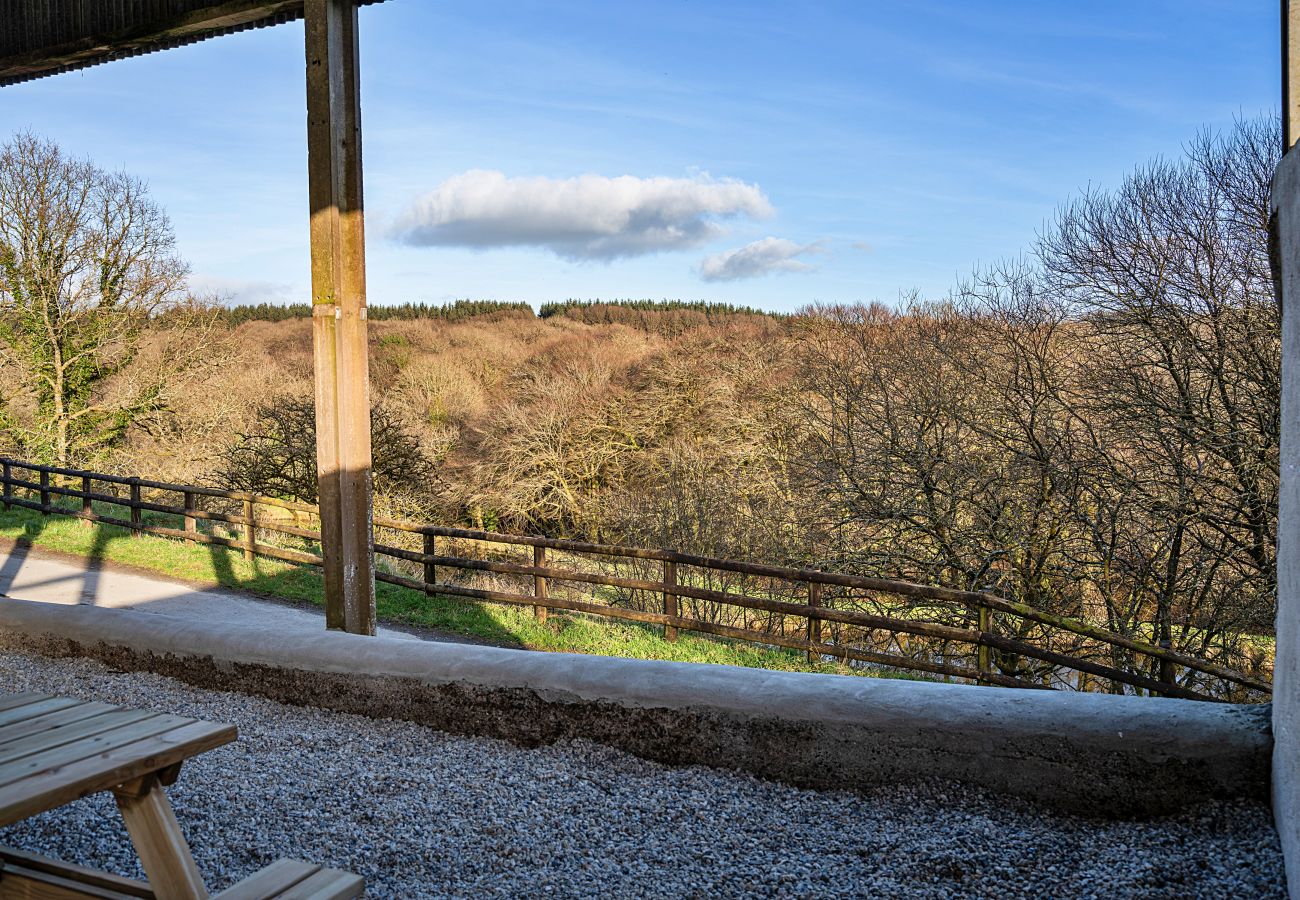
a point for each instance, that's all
(771, 154)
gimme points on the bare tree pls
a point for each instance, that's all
(1093, 430)
(1170, 279)
(277, 458)
(86, 259)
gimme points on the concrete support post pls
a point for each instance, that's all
(338, 281)
(1290, 73)
(1286, 671)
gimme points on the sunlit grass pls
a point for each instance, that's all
(499, 624)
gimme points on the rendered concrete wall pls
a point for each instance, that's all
(1286, 672)
(1095, 753)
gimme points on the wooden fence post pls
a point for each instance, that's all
(430, 549)
(539, 583)
(137, 522)
(1167, 674)
(995, 651)
(87, 510)
(814, 623)
(670, 599)
(250, 531)
(983, 652)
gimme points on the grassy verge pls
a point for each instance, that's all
(500, 624)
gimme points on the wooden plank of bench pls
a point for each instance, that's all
(69, 732)
(327, 884)
(59, 719)
(107, 768)
(29, 875)
(38, 707)
(8, 701)
(272, 881)
(17, 883)
(56, 757)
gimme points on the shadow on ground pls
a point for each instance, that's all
(94, 545)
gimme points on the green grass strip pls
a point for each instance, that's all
(499, 624)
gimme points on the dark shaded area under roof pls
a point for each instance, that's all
(45, 37)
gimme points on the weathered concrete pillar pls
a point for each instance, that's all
(1286, 673)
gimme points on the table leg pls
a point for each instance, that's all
(158, 840)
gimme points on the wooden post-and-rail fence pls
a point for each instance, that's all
(670, 586)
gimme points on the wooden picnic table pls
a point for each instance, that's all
(54, 750)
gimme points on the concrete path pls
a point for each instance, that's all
(27, 574)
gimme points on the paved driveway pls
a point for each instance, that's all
(27, 574)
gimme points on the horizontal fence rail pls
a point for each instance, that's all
(674, 588)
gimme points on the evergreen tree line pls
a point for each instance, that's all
(449, 312)
(655, 316)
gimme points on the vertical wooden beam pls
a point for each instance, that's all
(87, 508)
(338, 279)
(1290, 73)
(191, 524)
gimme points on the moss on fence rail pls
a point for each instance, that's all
(493, 623)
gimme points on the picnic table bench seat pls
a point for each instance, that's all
(29, 875)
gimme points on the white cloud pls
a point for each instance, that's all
(759, 258)
(588, 217)
(864, 246)
(235, 291)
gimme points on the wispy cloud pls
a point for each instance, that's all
(241, 290)
(759, 258)
(590, 217)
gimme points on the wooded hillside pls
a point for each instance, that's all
(1092, 429)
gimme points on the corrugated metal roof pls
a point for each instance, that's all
(45, 37)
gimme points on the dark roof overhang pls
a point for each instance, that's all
(46, 37)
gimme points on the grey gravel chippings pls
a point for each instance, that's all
(421, 813)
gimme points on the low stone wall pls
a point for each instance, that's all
(1091, 753)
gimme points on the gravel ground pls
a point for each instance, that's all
(421, 813)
